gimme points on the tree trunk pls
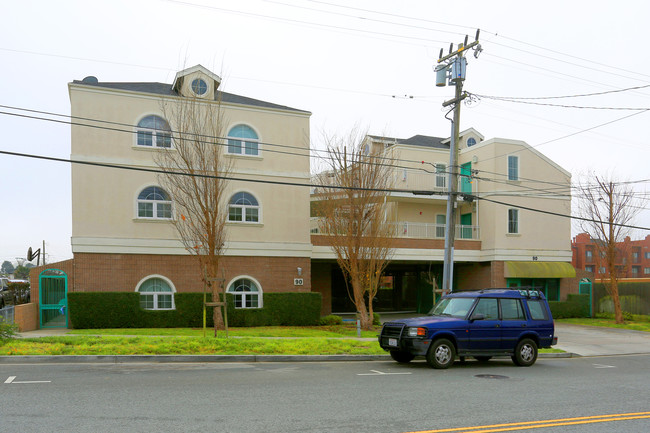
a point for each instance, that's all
(618, 312)
(217, 316)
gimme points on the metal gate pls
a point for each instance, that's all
(584, 288)
(53, 299)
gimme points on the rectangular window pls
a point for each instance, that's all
(441, 176)
(646, 271)
(234, 146)
(164, 210)
(511, 310)
(537, 310)
(513, 167)
(589, 255)
(440, 225)
(164, 302)
(251, 148)
(163, 139)
(513, 221)
(635, 257)
(636, 270)
(146, 302)
(251, 215)
(235, 214)
(145, 210)
(589, 269)
(145, 138)
(602, 270)
(647, 255)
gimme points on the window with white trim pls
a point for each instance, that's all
(154, 131)
(441, 176)
(156, 294)
(243, 207)
(513, 221)
(513, 167)
(154, 203)
(246, 292)
(441, 222)
(242, 140)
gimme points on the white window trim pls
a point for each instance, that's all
(518, 168)
(155, 299)
(153, 131)
(155, 208)
(243, 154)
(260, 292)
(243, 208)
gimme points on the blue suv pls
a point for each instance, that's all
(481, 324)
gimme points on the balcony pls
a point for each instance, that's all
(413, 230)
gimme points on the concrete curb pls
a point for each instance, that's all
(125, 359)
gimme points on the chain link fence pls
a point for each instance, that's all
(7, 314)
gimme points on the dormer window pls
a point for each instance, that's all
(471, 142)
(199, 87)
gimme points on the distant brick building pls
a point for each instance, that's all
(633, 260)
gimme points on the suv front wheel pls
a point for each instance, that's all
(441, 354)
(525, 353)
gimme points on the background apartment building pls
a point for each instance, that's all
(633, 258)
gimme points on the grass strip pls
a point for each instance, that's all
(264, 331)
(109, 345)
(634, 325)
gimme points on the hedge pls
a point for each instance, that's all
(122, 310)
(574, 306)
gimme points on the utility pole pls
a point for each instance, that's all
(452, 67)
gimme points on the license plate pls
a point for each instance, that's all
(392, 342)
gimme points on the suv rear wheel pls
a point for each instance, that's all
(525, 353)
(401, 357)
(441, 354)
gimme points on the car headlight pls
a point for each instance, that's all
(417, 332)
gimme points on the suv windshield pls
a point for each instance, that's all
(455, 307)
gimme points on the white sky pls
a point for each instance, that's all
(343, 61)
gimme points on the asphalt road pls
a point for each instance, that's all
(373, 396)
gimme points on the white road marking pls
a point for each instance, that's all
(603, 366)
(378, 373)
(10, 379)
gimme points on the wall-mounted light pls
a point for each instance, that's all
(299, 269)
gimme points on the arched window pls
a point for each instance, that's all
(156, 294)
(242, 140)
(154, 131)
(154, 202)
(246, 292)
(243, 207)
(471, 141)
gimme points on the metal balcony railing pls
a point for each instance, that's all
(405, 229)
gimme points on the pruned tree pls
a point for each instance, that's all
(607, 208)
(351, 203)
(7, 267)
(195, 173)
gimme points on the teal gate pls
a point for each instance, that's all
(584, 288)
(53, 299)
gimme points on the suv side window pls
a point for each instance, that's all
(511, 309)
(488, 307)
(537, 309)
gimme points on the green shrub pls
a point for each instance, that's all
(330, 320)
(574, 306)
(376, 320)
(611, 316)
(122, 310)
(7, 331)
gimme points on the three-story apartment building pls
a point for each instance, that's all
(512, 225)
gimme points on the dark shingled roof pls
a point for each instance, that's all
(166, 89)
(418, 140)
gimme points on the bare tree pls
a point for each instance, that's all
(195, 175)
(352, 206)
(608, 208)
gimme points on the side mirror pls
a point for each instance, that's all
(477, 317)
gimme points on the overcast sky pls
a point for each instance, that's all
(365, 62)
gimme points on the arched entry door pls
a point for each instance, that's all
(53, 299)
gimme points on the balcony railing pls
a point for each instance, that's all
(418, 180)
(413, 230)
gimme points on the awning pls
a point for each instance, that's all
(539, 270)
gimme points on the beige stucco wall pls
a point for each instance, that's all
(104, 208)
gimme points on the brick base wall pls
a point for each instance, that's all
(89, 272)
(26, 317)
